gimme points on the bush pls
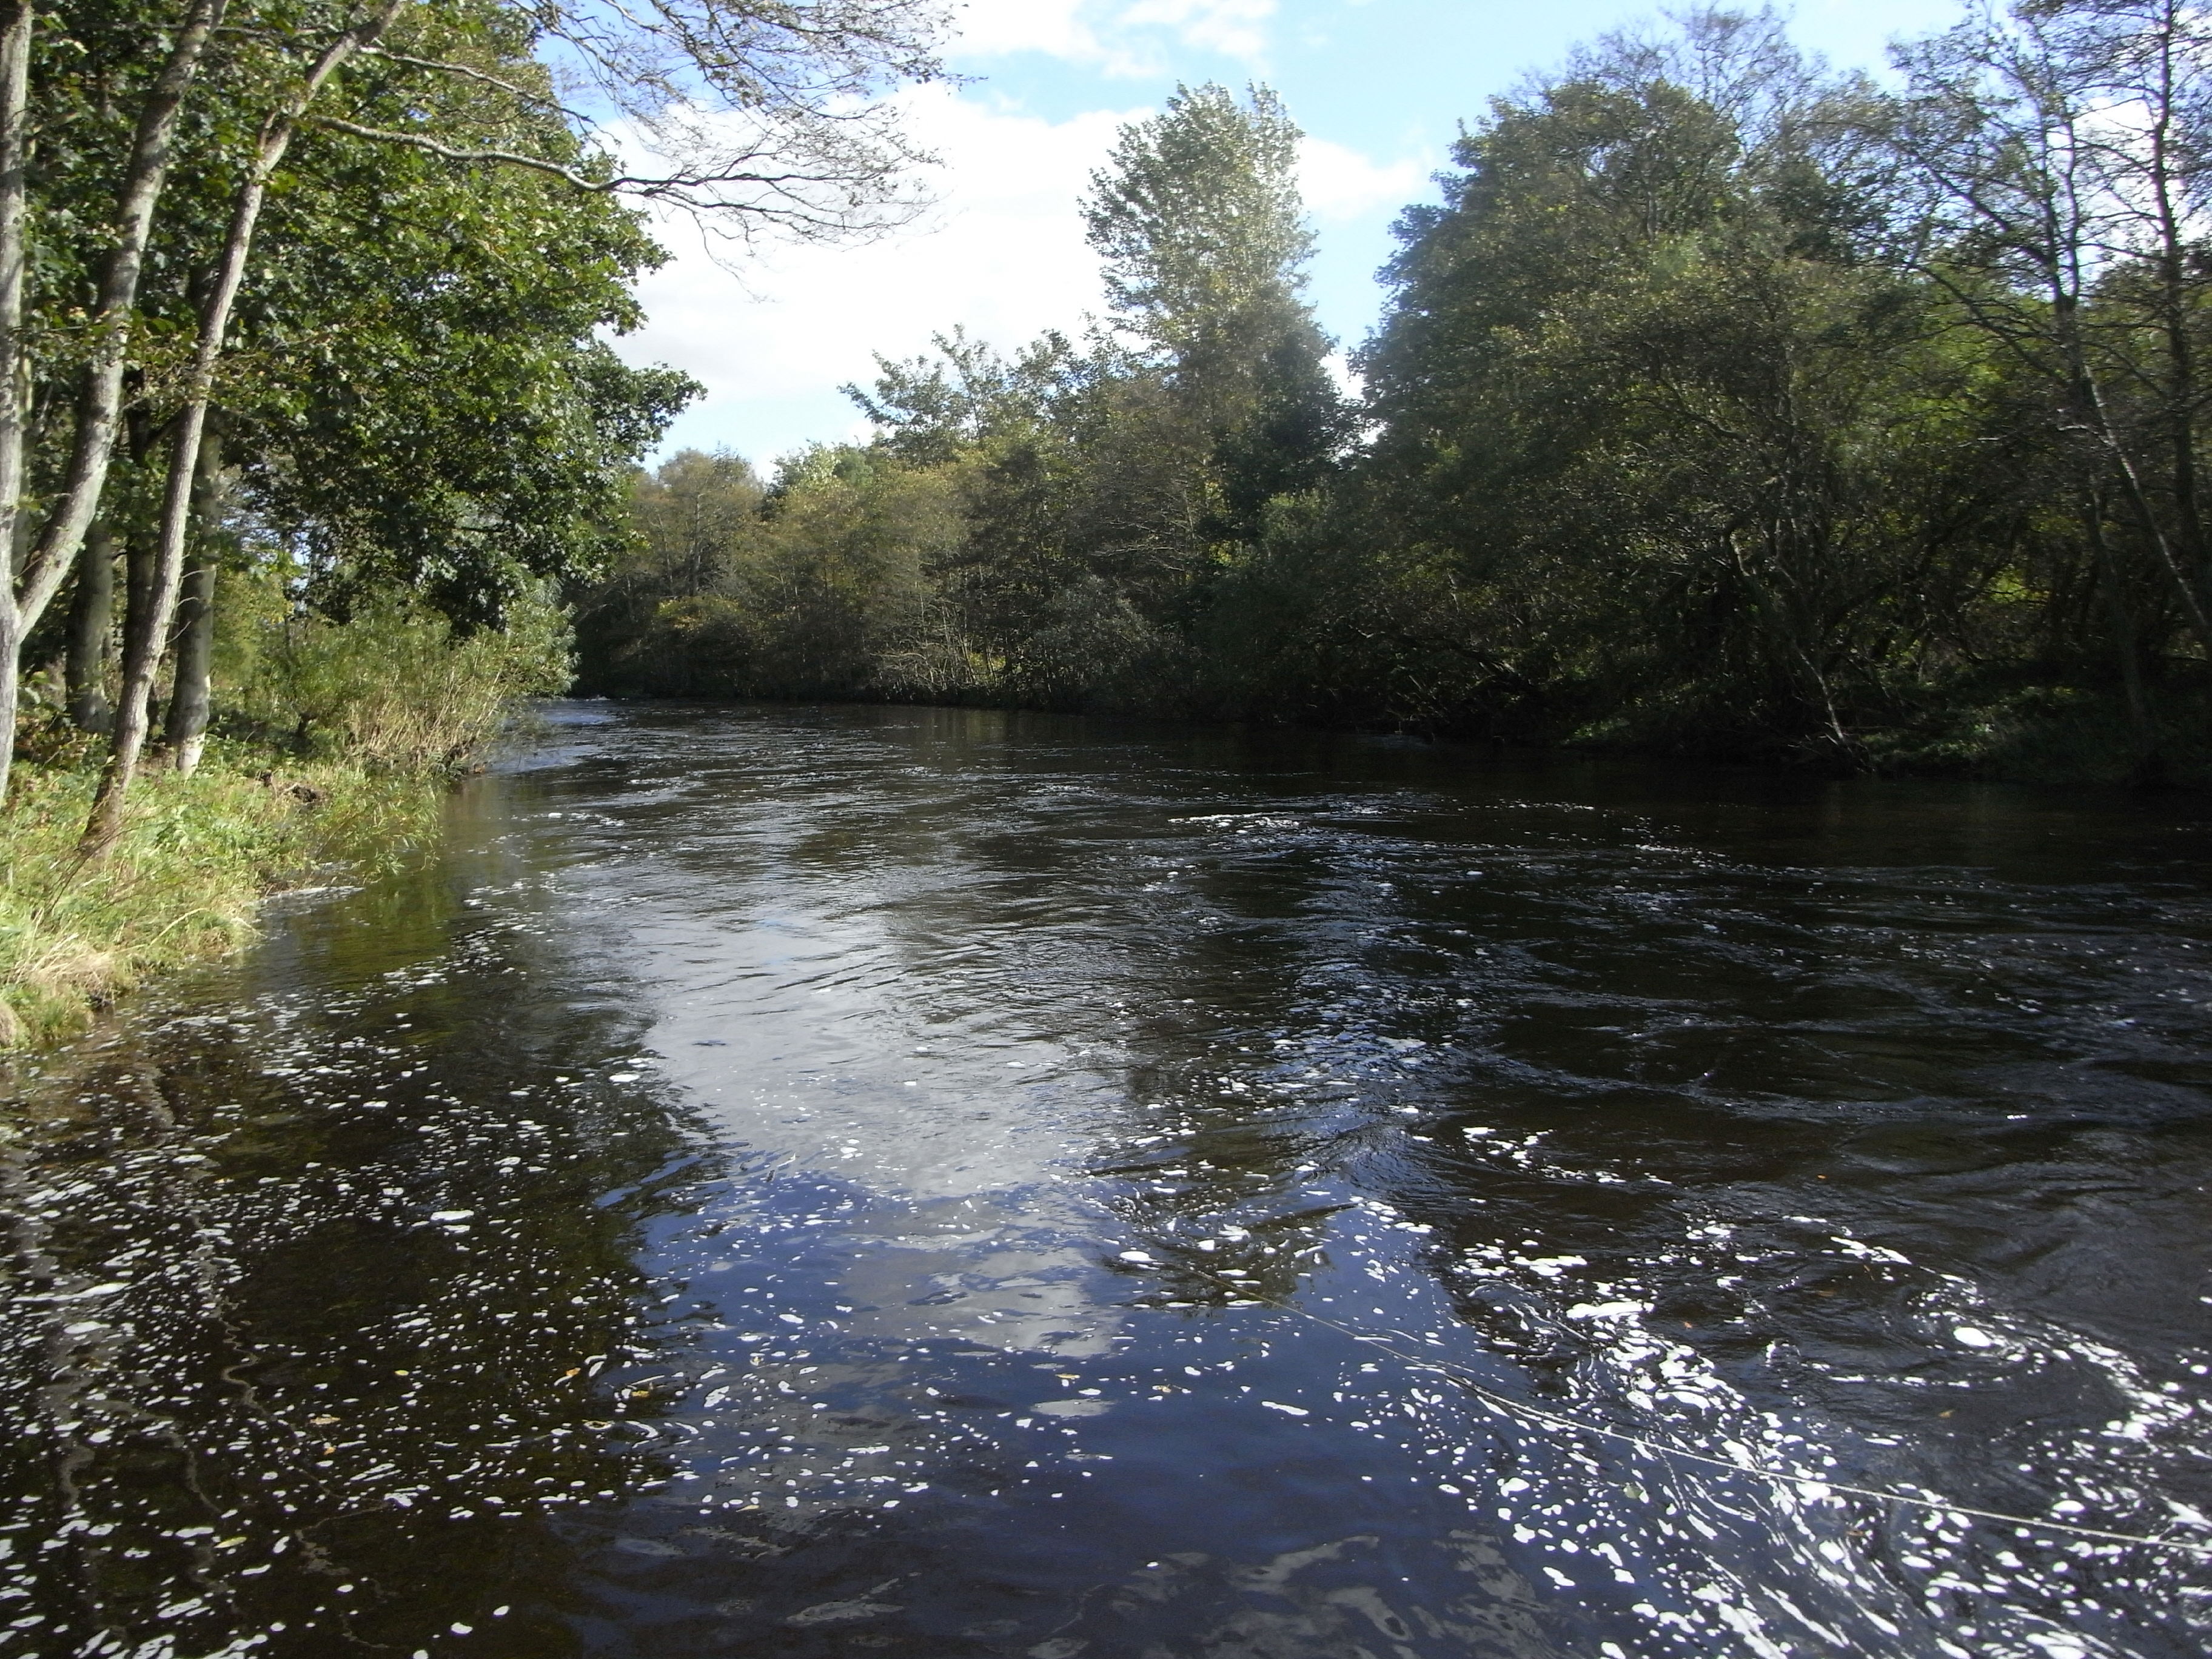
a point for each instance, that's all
(392, 687)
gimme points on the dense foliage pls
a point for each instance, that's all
(307, 413)
(306, 301)
(1724, 405)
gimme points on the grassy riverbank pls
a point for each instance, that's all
(340, 740)
(198, 855)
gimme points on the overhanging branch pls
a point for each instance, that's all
(470, 72)
(733, 185)
(453, 153)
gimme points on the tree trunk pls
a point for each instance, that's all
(185, 732)
(137, 592)
(2127, 640)
(131, 720)
(2110, 584)
(11, 649)
(100, 393)
(2181, 296)
(92, 619)
(141, 638)
(16, 23)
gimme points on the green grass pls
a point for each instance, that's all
(184, 883)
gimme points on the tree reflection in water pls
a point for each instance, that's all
(947, 1182)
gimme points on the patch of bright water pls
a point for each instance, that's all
(933, 1182)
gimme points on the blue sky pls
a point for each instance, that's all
(1380, 86)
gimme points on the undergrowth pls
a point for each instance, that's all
(332, 747)
(197, 856)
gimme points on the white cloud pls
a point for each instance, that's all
(996, 27)
(1002, 253)
(1232, 27)
(1338, 183)
(1123, 38)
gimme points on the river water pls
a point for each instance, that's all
(908, 1182)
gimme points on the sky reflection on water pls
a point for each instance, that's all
(901, 1180)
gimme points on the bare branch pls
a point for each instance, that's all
(453, 153)
(470, 72)
(739, 183)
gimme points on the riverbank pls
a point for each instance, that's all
(196, 859)
(2037, 734)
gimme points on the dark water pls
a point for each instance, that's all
(919, 1183)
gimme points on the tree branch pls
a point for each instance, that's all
(452, 153)
(706, 191)
(472, 73)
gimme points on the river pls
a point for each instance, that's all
(894, 1182)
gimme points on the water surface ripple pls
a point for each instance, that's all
(931, 1182)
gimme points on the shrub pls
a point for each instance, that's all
(393, 686)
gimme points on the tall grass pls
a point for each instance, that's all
(197, 856)
(334, 744)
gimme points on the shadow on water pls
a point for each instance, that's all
(315, 1269)
(942, 1182)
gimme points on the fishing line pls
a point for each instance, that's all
(1520, 1408)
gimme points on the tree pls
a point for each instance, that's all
(1197, 221)
(1724, 405)
(698, 516)
(1713, 472)
(52, 552)
(1209, 396)
(2065, 155)
(758, 118)
(415, 397)
(766, 117)
(823, 585)
(1199, 224)
(967, 397)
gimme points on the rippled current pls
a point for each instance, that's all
(873, 1181)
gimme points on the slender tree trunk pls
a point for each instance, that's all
(131, 720)
(100, 393)
(17, 22)
(141, 639)
(185, 732)
(2180, 292)
(2095, 416)
(2126, 638)
(137, 595)
(92, 620)
(2130, 478)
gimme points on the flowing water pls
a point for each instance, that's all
(908, 1182)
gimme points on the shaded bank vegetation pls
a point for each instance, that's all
(316, 296)
(330, 757)
(1722, 406)
(307, 411)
